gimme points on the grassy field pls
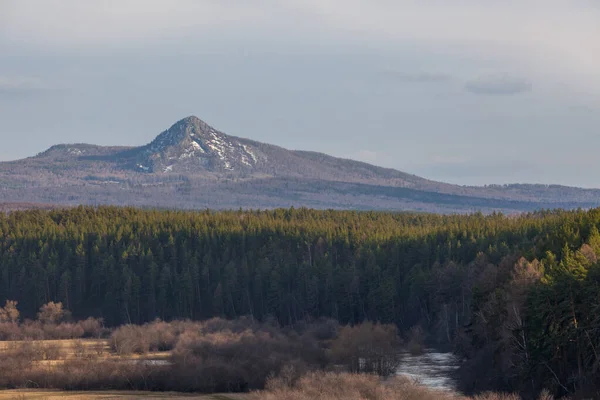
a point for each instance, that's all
(69, 345)
(110, 395)
(63, 343)
(61, 350)
(98, 349)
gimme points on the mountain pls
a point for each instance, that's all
(193, 165)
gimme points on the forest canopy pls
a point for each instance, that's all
(520, 290)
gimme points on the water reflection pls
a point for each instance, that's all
(432, 369)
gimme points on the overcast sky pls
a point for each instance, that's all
(464, 91)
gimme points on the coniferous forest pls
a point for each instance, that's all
(515, 296)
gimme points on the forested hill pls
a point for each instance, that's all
(518, 296)
(192, 165)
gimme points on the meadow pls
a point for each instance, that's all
(109, 395)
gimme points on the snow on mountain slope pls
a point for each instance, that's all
(192, 164)
(191, 145)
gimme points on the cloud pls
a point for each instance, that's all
(417, 77)
(20, 84)
(548, 37)
(498, 85)
(122, 23)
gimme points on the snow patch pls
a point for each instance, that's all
(191, 150)
(227, 152)
(197, 147)
(250, 153)
(221, 148)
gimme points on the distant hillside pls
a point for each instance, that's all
(8, 207)
(192, 165)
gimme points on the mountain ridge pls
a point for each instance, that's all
(193, 165)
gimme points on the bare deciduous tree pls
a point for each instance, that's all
(9, 313)
(52, 313)
(368, 348)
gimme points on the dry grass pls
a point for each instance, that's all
(333, 386)
(63, 350)
(69, 346)
(344, 386)
(213, 356)
(109, 395)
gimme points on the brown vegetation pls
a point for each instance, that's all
(52, 313)
(370, 348)
(36, 330)
(9, 313)
(52, 324)
(151, 337)
(333, 386)
(225, 356)
(29, 394)
(212, 356)
(230, 360)
(330, 386)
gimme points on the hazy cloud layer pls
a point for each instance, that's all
(20, 84)
(498, 84)
(417, 77)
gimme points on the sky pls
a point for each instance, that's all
(471, 92)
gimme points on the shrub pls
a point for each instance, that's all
(367, 348)
(153, 336)
(333, 386)
(129, 339)
(92, 327)
(9, 313)
(52, 313)
(10, 331)
(239, 361)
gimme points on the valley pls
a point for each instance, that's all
(299, 200)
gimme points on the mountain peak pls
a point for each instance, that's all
(191, 144)
(185, 130)
(192, 121)
(189, 126)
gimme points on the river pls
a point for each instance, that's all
(433, 369)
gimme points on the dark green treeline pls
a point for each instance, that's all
(129, 265)
(522, 290)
